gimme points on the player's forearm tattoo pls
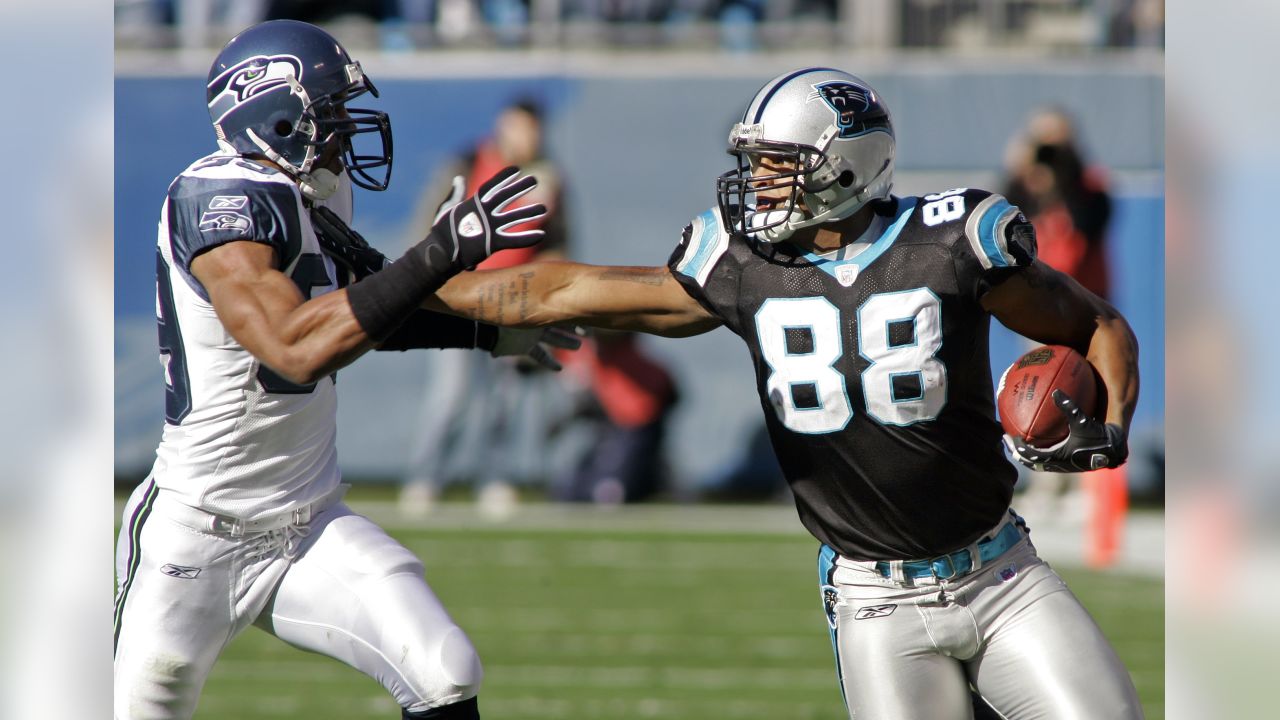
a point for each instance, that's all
(635, 277)
(492, 300)
(525, 277)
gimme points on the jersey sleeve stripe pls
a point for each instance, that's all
(707, 243)
(985, 231)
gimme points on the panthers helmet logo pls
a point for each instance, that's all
(830, 599)
(846, 100)
(251, 78)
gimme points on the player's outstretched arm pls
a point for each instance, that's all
(1050, 307)
(640, 299)
(302, 340)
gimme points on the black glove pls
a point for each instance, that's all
(1090, 444)
(345, 246)
(472, 230)
(536, 344)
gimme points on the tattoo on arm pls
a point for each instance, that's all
(525, 277)
(635, 277)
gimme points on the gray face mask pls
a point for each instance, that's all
(318, 185)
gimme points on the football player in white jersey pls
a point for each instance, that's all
(263, 292)
(866, 316)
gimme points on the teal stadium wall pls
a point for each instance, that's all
(641, 150)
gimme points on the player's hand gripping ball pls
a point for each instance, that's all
(1047, 401)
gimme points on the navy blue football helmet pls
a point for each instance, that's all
(279, 89)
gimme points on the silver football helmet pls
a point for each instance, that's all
(831, 142)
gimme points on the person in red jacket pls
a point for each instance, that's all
(634, 394)
(473, 413)
(1066, 199)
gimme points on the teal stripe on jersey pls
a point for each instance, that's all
(877, 248)
(706, 243)
(987, 233)
(135, 554)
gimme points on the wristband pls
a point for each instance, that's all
(425, 329)
(383, 300)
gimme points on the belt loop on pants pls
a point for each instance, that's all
(238, 527)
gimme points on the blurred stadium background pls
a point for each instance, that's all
(651, 611)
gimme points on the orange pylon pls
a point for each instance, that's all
(1107, 493)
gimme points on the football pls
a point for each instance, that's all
(1025, 395)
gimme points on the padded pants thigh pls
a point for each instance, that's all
(357, 595)
(887, 660)
(1050, 661)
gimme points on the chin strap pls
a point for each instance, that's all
(318, 185)
(798, 220)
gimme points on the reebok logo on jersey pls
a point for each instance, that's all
(180, 571)
(846, 274)
(874, 611)
(225, 220)
(470, 226)
(228, 202)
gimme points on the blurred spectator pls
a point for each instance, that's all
(1136, 23)
(1066, 201)
(631, 396)
(497, 398)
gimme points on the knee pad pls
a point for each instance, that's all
(460, 664)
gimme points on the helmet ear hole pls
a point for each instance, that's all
(846, 179)
(284, 128)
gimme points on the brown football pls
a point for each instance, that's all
(1025, 395)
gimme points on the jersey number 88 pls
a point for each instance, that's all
(899, 334)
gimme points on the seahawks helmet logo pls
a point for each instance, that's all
(249, 79)
(847, 101)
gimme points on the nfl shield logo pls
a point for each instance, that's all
(846, 274)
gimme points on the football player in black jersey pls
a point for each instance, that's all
(867, 319)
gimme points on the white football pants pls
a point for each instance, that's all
(338, 586)
(909, 651)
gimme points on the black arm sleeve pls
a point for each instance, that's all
(426, 330)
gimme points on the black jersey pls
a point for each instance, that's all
(873, 371)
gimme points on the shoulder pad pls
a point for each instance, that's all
(204, 212)
(707, 241)
(999, 234)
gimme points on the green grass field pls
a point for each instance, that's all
(604, 624)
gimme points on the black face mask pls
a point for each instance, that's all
(362, 150)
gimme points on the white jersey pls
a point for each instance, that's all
(239, 440)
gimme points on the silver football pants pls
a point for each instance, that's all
(909, 649)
